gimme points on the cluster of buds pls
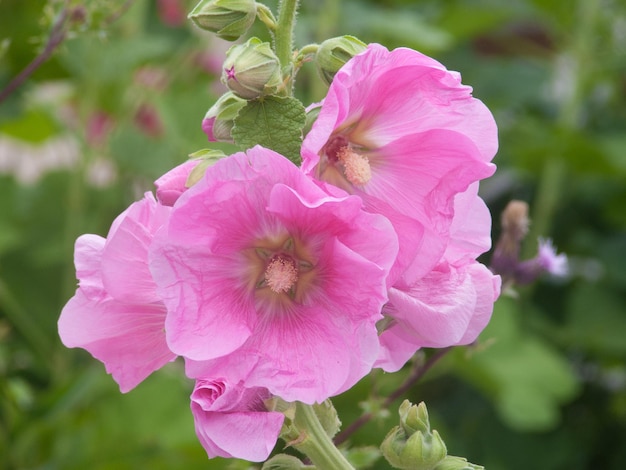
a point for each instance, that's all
(413, 445)
(252, 70)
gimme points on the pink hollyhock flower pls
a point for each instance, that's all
(232, 420)
(402, 132)
(453, 303)
(270, 280)
(116, 313)
(173, 183)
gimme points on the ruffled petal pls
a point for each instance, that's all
(128, 339)
(243, 435)
(470, 232)
(125, 271)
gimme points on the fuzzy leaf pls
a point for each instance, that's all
(274, 122)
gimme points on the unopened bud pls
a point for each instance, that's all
(218, 122)
(418, 451)
(252, 69)
(412, 445)
(334, 53)
(414, 418)
(515, 221)
(229, 19)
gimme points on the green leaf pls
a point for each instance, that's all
(34, 126)
(274, 122)
(363, 457)
(527, 377)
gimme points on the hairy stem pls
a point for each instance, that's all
(315, 443)
(283, 39)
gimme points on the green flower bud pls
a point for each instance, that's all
(412, 445)
(334, 53)
(457, 463)
(415, 452)
(252, 70)
(229, 19)
(414, 418)
(219, 120)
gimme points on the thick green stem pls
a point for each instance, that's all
(284, 36)
(315, 443)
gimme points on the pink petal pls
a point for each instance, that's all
(87, 259)
(395, 349)
(128, 339)
(487, 292)
(437, 308)
(448, 307)
(470, 232)
(244, 435)
(173, 183)
(202, 324)
(125, 272)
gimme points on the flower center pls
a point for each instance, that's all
(281, 274)
(356, 167)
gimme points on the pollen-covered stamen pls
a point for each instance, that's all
(356, 167)
(281, 274)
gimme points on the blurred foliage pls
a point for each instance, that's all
(121, 100)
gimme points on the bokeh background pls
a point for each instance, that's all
(120, 101)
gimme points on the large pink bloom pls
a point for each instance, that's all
(453, 303)
(232, 420)
(116, 313)
(402, 132)
(270, 280)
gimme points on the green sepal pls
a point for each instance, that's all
(457, 463)
(285, 462)
(208, 158)
(327, 414)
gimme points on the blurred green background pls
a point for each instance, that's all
(120, 102)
